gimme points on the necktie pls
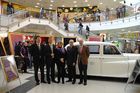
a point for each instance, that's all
(39, 47)
(80, 49)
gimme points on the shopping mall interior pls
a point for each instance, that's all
(92, 45)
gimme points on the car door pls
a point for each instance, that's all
(114, 64)
(94, 61)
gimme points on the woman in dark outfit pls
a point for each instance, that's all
(61, 55)
(25, 55)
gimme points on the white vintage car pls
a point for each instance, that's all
(107, 60)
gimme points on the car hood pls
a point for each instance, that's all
(132, 56)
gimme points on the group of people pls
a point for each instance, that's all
(81, 30)
(49, 55)
(10, 9)
(121, 11)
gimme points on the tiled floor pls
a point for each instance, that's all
(100, 85)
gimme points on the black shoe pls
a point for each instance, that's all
(43, 82)
(58, 81)
(49, 82)
(80, 82)
(85, 83)
(73, 82)
(25, 72)
(54, 81)
(68, 80)
(37, 83)
(63, 82)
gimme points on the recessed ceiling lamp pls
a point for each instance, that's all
(71, 8)
(114, 0)
(63, 5)
(86, 0)
(38, 3)
(75, 5)
(36, 6)
(50, 8)
(52, 1)
(51, 5)
(74, 1)
(101, 3)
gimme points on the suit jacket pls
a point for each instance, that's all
(60, 53)
(48, 52)
(71, 55)
(83, 57)
(36, 53)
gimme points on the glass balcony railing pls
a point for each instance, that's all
(16, 18)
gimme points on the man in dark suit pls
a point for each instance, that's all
(37, 51)
(83, 55)
(71, 62)
(50, 51)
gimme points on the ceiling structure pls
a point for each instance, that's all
(39, 29)
(53, 4)
(117, 32)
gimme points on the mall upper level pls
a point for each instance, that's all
(95, 18)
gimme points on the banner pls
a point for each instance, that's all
(9, 68)
(14, 39)
(95, 38)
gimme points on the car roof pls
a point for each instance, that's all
(93, 43)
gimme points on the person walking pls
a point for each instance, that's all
(107, 14)
(85, 16)
(80, 28)
(87, 31)
(118, 12)
(58, 18)
(41, 13)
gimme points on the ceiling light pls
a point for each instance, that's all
(86, 0)
(101, 3)
(36, 6)
(74, 1)
(52, 1)
(38, 3)
(111, 8)
(51, 5)
(75, 5)
(88, 4)
(63, 5)
(114, 0)
(50, 8)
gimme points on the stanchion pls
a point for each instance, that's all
(5, 71)
(134, 75)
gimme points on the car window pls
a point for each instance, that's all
(111, 50)
(94, 49)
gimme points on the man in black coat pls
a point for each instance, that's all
(71, 61)
(37, 51)
(50, 51)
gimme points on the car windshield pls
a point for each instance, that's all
(109, 49)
